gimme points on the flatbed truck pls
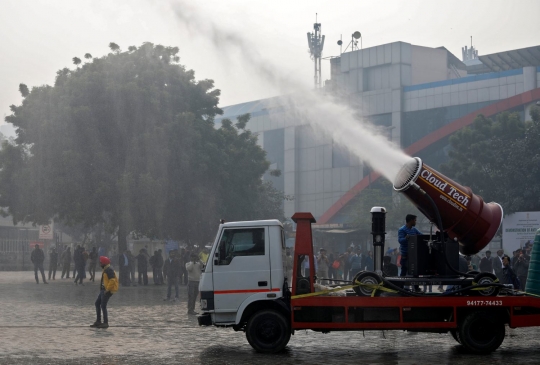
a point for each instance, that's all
(247, 287)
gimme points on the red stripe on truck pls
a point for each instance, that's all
(246, 291)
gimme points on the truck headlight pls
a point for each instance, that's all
(204, 304)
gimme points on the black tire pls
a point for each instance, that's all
(367, 277)
(485, 278)
(481, 332)
(455, 335)
(268, 331)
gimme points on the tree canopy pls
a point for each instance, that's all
(128, 141)
(499, 159)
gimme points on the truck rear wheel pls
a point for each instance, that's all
(481, 332)
(455, 335)
(268, 331)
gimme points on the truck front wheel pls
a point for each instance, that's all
(481, 332)
(268, 331)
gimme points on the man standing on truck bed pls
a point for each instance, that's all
(404, 232)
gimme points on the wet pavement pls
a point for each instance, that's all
(48, 324)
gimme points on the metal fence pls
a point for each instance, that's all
(14, 254)
(14, 245)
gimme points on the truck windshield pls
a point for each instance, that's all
(240, 242)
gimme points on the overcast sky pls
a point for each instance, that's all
(40, 37)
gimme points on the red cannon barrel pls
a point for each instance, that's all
(464, 215)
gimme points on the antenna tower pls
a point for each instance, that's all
(316, 44)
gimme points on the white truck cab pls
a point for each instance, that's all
(244, 273)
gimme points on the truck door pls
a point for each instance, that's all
(241, 268)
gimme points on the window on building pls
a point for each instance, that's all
(377, 77)
(340, 156)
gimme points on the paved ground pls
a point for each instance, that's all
(48, 324)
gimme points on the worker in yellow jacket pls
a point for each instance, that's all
(109, 285)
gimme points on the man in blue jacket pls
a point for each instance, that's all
(403, 234)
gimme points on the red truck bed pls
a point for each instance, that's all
(348, 313)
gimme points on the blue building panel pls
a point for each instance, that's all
(462, 80)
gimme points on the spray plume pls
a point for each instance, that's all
(325, 113)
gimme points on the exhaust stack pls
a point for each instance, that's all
(465, 216)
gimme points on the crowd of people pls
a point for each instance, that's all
(181, 267)
(336, 267)
(509, 270)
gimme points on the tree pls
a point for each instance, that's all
(23, 89)
(88, 56)
(498, 159)
(128, 142)
(76, 61)
(114, 47)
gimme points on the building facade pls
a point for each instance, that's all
(419, 95)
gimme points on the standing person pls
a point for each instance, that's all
(66, 262)
(528, 250)
(37, 258)
(152, 262)
(470, 265)
(331, 270)
(114, 257)
(475, 259)
(183, 261)
(347, 264)
(356, 262)
(109, 286)
(339, 270)
(142, 267)
(369, 261)
(322, 266)
(132, 268)
(305, 265)
(193, 268)
(123, 261)
(514, 257)
(92, 263)
(86, 256)
(404, 233)
(486, 263)
(172, 271)
(288, 265)
(78, 257)
(389, 269)
(75, 253)
(508, 274)
(498, 264)
(203, 255)
(159, 263)
(53, 263)
(521, 268)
